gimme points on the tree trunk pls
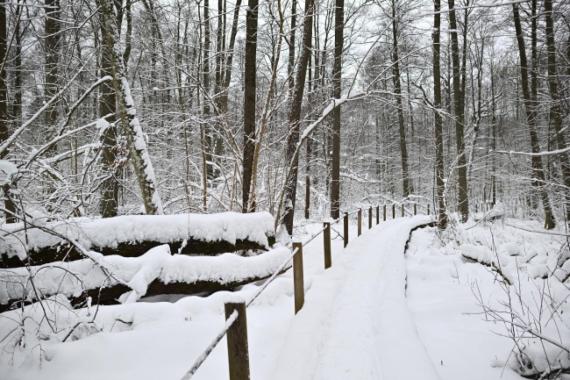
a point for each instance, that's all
(337, 91)
(291, 63)
(139, 155)
(537, 169)
(555, 109)
(3, 84)
(227, 77)
(249, 102)
(406, 185)
(493, 138)
(459, 115)
(52, 42)
(18, 76)
(9, 205)
(207, 142)
(108, 206)
(438, 122)
(292, 153)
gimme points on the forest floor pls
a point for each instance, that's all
(378, 313)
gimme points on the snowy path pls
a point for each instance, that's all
(356, 323)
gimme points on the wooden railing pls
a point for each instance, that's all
(235, 327)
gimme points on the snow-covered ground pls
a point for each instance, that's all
(359, 320)
(461, 308)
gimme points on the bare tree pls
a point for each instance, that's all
(249, 103)
(438, 122)
(337, 82)
(459, 115)
(555, 109)
(292, 154)
(538, 178)
(128, 116)
(51, 67)
(407, 188)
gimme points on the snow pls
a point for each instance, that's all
(136, 272)
(355, 323)
(459, 307)
(376, 314)
(7, 171)
(109, 232)
(139, 147)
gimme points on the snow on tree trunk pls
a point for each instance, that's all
(128, 117)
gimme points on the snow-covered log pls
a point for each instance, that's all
(485, 257)
(156, 272)
(39, 243)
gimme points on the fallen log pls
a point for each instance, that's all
(481, 255)
(156, 272)
(111, 295)
(132, 236)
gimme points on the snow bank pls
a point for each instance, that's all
(16, 240)
(531, 303)
(7, 171)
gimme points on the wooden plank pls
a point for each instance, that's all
(327, 245)
(345, 229)
(238, 350)
(299, 287)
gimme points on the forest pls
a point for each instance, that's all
(111, 108)
(136, 131)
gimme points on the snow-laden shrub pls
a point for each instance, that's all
(535, 302)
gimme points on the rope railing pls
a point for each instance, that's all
(202, 358)
(273, 277)
(235, 326)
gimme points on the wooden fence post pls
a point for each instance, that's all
(238, 352)
(298, 282)
(403, 211)
(415, 209)
(378, 214)
(327, 244)
(359, 221)
(345, 232)
(384, 212)
(370, 217)
(393, 211)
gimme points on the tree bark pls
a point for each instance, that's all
(108, 206)
(292, 153)
(337, 91)
(3, 85)
(493, 138)
(291, 62)
(249, 102)
(406, 184)
(52, 45)
(438, 122)
(538, 177)
(207, 140)
(227, 77)
(139, 155)
(555, 109)
(459, 115)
